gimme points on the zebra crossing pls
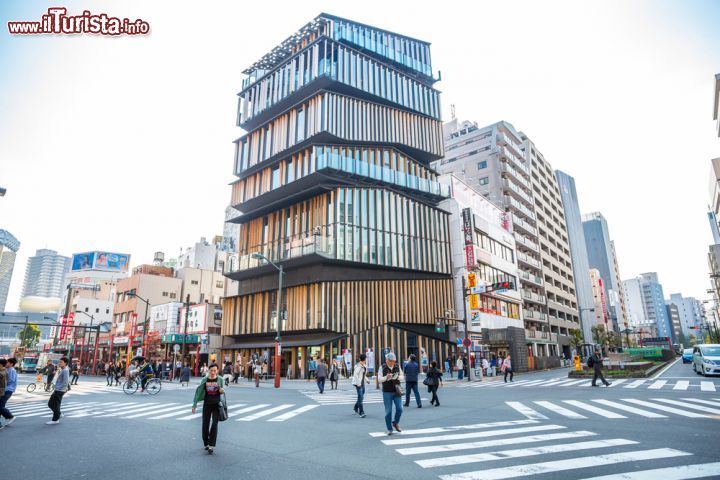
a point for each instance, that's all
(619, 408)
(81, 389)
(624, 383)
(523, 448)
(348, 397)
(241, 412)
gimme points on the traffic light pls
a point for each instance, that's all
(471, 280)
(440, 326)
(503, 286)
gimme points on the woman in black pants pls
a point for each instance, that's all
(435, 376)
(210, 391)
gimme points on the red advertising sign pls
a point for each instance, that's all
(133, 323)
(470, 256)
(62, 328)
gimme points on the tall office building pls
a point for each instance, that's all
(601, 255)
(9, 245)
(335, 185)
(690, 311)
(646, 304)
(506, 167)
(578, 252)
(44, 281)
(601, 317)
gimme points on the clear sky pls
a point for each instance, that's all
(124, 144)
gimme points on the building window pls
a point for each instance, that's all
(165, 294)
(87, 309)
(484, 180)
(107, 311)
(219, 284)
(97, 310)
(482, 164)
(193, 282)
(172, 295)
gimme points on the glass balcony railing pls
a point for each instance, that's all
(530, 277)
(277, 252)
(522, 257)
(353, 166)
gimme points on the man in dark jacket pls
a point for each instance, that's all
(596, 362)
(49, 370)
(412, 370)
(321, 374)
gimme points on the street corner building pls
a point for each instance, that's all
(334, 183)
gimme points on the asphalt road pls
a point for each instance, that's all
(542, 426)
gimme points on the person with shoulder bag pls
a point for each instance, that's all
(334, 375)
(391, 377)
(433, 380)
(211, 391)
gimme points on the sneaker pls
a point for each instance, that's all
(397, 427)
(9, 421)
(419, 406)
(362, 415)
(52, 422)
(608, 384)
(210, 450)
(389, 432)
(206, 447)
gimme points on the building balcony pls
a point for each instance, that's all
(314, 245)
(533, 297)
(522, 209)
(533, 315)
(530, 277)
(525, 226)
(511, 171)
(517, 192)
(528, 260)
(540, 336)
(526, 242)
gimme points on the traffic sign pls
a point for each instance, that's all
(467, 342)
(459, 342)
(176, 348)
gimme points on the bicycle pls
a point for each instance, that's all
(152, 386)
(32, 386)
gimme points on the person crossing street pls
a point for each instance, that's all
(9, 389)
(321, 374)
(596, 362)
(412, 370)
(210, 391)
(62, 382)
(49, 371)
(391, 377)
(359, 379)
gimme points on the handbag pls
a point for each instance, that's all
(429, 381)
(398, 390)
(222, 406)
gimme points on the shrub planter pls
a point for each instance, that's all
(642, 369)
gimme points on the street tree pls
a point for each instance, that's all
(598, 334)
(29, 335)
(576, 338)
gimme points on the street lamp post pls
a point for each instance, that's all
(279, 268)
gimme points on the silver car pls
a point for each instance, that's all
(706, 359)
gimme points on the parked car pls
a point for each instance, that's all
(706, 359)
(687, 355)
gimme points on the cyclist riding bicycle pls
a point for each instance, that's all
(145, 371)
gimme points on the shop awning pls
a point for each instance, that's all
(307, 340)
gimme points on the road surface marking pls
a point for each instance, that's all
(657, 385)
(635, 384)
(425, 431)
(681, 385)
(570, 464)
(265, 413)
(155, 411)
(292, 413)
(522, 452)
(248, 409)
(628, 408)
(199, 414)
(615, 383)
(575, 382)
(670, 473)
(707, 386)
(451, 447)
(559, 409)
(656, 406)
(714, 411)
(46, 409)
(137, 408)
(527, 411)
(706, 402)
(600, 411)
(463, 436)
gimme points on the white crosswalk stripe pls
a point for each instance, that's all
(565, 382)
(558, 409)
(527, 411)
(663, 408)
(342, 397)
(706, 402)
(162, 411)
(630, 409)
(714, 411)
(591, 408)
(446, 453)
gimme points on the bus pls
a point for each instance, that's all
(662, 342)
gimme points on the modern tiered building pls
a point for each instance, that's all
(334, 184)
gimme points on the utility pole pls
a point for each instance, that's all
(187, 311)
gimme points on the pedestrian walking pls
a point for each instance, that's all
(227, 373)
(493, 366)
(312, 367)
(62, 383)
(10, 386)
(596, 363)
(486, 367)
(321, 372)
(185, 375)
(258, 371)
(237, 371)
(359, 379)
(210, 391)
(412, 370)
(334, 375)
(3, 382)
(178, 369)
(506, 368)
(433, 382)
(74, 372)
(119, 369)
(391, 377)
(460, 367)
(204, 369)
(49, 371)
(109, 374)
(449, 365)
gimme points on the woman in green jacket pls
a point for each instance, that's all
(209, 391)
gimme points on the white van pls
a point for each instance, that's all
(706, 359)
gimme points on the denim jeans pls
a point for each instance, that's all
(412, 386)
(360, 394)
(388, 399)
(4, 412)
(461, 371)
(321, 384)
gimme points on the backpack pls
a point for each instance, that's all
(590, 362)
